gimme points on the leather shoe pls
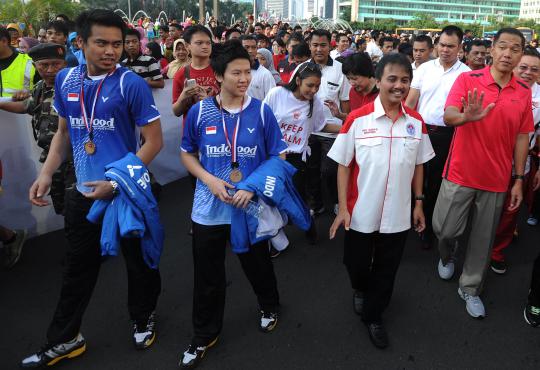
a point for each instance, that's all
(377, 334)
(358, 302)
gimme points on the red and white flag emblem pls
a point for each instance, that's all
(211, 130)
(73, 97)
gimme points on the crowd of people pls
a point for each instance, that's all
(435, 133)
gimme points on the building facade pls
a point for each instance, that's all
(463, 11)
(530, 9)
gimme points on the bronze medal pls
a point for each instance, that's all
(90, 147)
(236, 175)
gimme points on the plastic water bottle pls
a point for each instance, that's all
(253, 208)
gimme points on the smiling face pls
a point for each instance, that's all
(507, 52)
(308, 87)
(528, 69)
(394, 84)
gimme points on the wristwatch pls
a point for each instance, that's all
(420, 197)
(114, 185)
(518, 177)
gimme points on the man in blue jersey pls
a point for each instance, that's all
(99, 107)
(225, 138)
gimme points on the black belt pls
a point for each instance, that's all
(435, 128)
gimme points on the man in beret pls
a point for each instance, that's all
(48, 59)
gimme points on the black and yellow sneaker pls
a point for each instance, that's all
(194, 355)
(51, 354)
(268, 321)
(532, 315)
(144, 335)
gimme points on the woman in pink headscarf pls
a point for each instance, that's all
(144, 39)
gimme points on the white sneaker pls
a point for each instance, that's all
(446, 271)
(474, 305)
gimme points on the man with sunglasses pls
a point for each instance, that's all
(492, 112)
(48, 60)
(528, 70)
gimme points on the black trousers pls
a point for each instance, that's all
(372, 261)
(321, 171)
(209, 243)
(534, 294)
(82, 263)
(300, 177)
(441, 138)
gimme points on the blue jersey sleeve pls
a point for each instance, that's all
(190, 139)
(58, 103)
(273, 137)
(140, 101)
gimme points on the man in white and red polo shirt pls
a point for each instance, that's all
(380, 151)
(492, 113)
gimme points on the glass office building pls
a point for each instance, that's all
(463, 11)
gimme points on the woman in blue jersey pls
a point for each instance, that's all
(225, 138)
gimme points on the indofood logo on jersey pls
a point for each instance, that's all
(221, 150)
(98, 124)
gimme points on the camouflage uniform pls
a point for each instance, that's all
(44, 126)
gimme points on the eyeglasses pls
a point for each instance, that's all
(524, 67)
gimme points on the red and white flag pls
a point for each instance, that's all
(73, 97)
(211, 130)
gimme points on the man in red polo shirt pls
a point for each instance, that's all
(492, 113)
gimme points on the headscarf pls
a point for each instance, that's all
(175, 65)
(267, 54)
(30, 41)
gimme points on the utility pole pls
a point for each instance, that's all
(216, 9)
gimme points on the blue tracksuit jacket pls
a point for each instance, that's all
(272, 181)
(133, 213)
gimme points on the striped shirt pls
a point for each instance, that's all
(145, 66)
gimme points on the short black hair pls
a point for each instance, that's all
(176, 25)
(295, 37)
(405, 49)
(394, 58)
(301, 50)
(452, 30)
(426, 39)
(133, 32)
(531, 52)
(230, 31)
(321, 33)
(164, 28)
(4, 34)
(100, 17)
(280, 42)
(510, 31)
(248, 38)
(467, 47)
(388, 39)
(340, 35)
(258, 24)
(155, 50)
(263, 37)
(63, 16)
(223, 54)
(191, 30)
(58, 26)
(359, 64)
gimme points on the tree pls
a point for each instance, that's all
(423, 20)
(345, 14)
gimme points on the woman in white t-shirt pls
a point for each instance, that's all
(299, 112)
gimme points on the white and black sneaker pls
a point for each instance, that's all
(144, 335)
(268, 321)
(194, 355)
(51, 354)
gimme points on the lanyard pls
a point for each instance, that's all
(87, 123)
(232, 146)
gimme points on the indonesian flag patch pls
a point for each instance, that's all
(73, 97)
(211, 130)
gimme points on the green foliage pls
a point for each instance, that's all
(345, 14)
(423, 20)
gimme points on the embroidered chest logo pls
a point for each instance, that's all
(296, 115)
(410, 129)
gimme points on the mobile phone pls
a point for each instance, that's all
(191, 82)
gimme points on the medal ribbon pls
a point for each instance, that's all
(83, 109)
(235, 133)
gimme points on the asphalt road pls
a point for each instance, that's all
(427, 322)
